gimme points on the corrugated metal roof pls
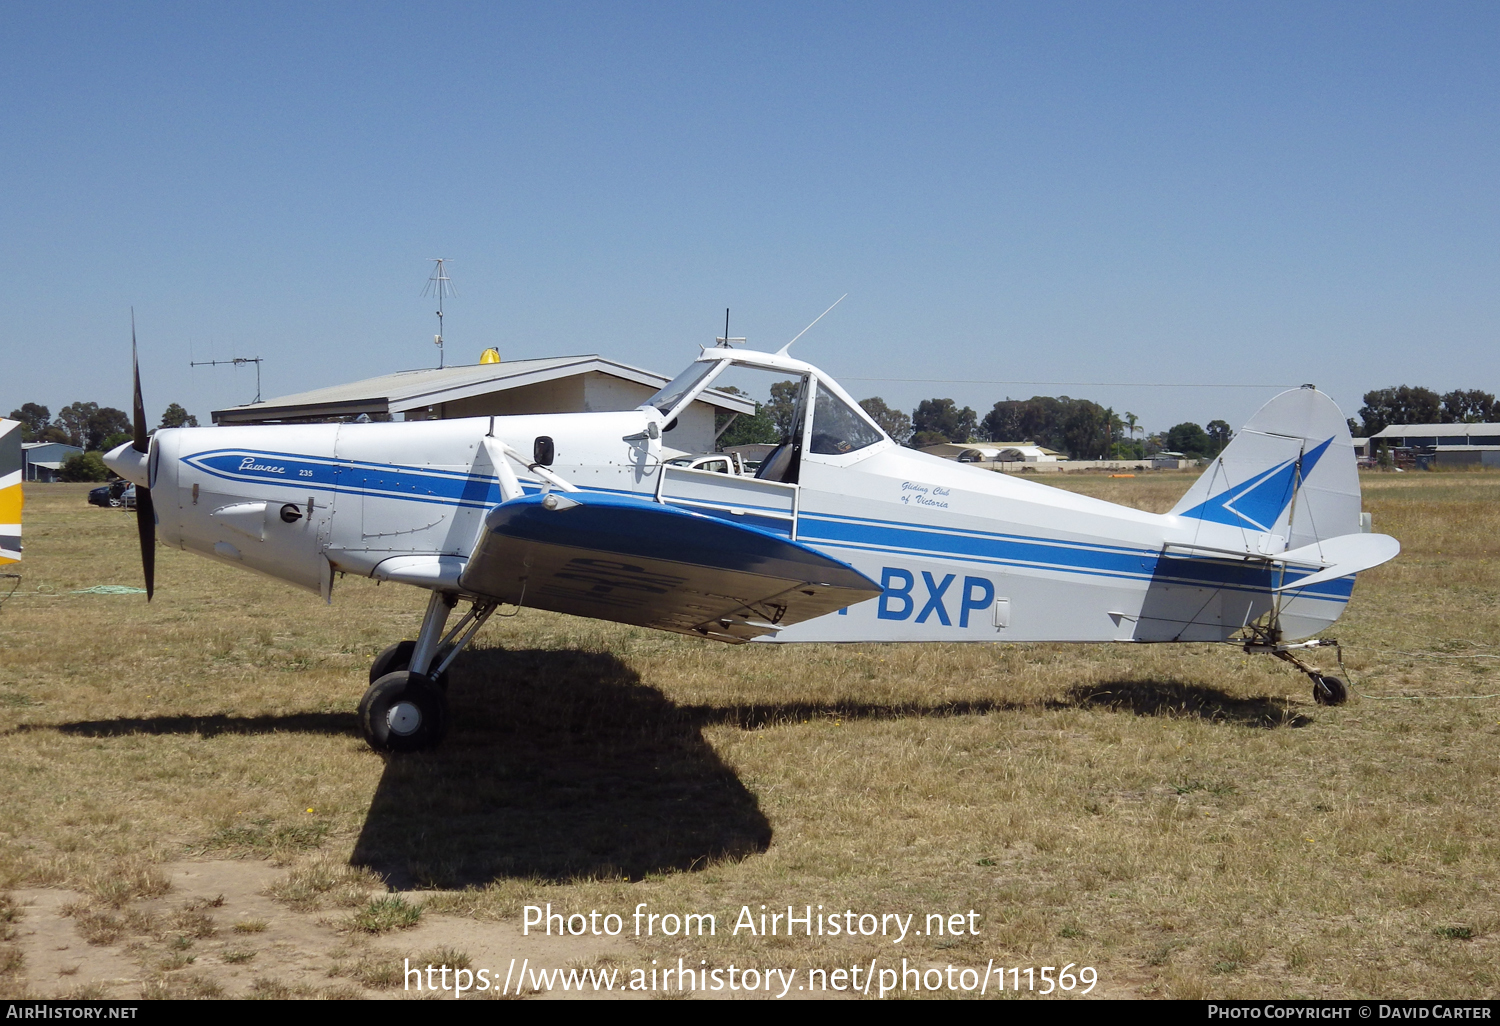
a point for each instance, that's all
(1402, 430)
(417, 389)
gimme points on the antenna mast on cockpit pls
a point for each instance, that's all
(726, 342)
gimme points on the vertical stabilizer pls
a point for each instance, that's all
(10, 491)
(1288, 479)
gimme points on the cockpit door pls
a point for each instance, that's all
(784, 463)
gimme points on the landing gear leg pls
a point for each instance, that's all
(406, 707)
(1327, 689)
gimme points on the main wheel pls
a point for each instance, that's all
(402, 712)
(1329, 690)
(398, 657)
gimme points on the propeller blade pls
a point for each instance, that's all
(145, 525)
(145, 511)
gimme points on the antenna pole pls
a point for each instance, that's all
(235, 362)
(726, 342)
(440, 285)
(816, 319)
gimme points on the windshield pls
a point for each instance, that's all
(837, 429)
(696, 376)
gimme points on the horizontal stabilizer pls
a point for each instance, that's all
(1340, 557)
(631, 560)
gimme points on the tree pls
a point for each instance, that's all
(893, 422)
(175, 417)
(1468, 407)
(783, 406)
(1038, 420)
(1220, 434)
(83, 466)
(74, 419)
(104, 424)
(1188, 439)
(745, 430)
(1086, 430)
(34, 420)
(1400, 404)
(943, 417)
(1080, 427)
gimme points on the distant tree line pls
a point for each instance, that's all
(95, 429)
(1403, 404)
(1079, 427)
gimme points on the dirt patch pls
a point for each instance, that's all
(218, 933)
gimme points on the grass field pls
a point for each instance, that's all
(1182, 818)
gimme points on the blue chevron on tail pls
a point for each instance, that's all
(1260, 501)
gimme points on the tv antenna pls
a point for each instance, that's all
(235, 362)
(726, 342)
(439, 285)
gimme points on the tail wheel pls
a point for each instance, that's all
(398, 657)
(1329, 690)
(402, 712)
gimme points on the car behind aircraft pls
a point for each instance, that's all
(841, 535)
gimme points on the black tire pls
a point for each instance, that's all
(1329, 690)
(402, 712)
(398, 657)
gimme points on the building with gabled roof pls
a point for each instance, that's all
(561, 384)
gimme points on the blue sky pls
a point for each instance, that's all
(1193, 194)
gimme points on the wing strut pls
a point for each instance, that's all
(501, 455)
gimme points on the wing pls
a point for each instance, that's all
(631, 560)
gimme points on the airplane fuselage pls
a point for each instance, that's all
(960, 553)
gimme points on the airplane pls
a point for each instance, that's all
(842, 535)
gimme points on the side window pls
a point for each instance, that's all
(837, 429)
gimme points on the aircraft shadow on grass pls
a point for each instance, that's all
(561, 764)
(558, 765)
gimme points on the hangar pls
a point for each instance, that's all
(1444, 445)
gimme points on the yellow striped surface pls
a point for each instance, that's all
(10, 512)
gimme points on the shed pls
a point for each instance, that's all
(42, 460)
(562, 384)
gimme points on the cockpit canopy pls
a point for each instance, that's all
(837, 427)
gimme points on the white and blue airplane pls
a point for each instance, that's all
(842, 536)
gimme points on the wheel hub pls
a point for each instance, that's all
(404, 718)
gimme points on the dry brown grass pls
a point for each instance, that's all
(1183, 818)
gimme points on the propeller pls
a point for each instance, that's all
(145, 512)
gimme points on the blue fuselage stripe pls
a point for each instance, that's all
(467, 490)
